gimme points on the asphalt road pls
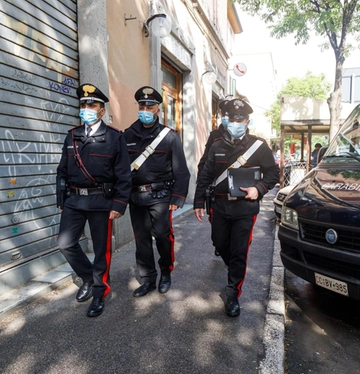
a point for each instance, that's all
(322, 330)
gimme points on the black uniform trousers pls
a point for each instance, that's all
(232, 238)
(149, 221)
(71, 228)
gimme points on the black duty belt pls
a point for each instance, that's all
(85, 191)
(227, 197)
(149, 187)
(143, 188)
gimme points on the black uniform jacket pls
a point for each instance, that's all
(105, 156)
(214, 135)
(167, 163)
(224, 153)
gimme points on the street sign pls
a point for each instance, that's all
(240, 69)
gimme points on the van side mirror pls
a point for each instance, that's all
(321, 153)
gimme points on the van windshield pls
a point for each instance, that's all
(345, 148)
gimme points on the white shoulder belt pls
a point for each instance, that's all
(240, 161)
(149, 150)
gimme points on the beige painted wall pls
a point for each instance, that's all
(128, 58)
(124, 60)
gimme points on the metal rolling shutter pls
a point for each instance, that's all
(38, 105)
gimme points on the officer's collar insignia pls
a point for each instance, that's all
(88, 89)
(147, 91)
(238, 104)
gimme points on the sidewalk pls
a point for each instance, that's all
(43, 284)
(183, 331)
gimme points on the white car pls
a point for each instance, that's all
(279, 199)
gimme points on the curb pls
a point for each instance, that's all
(37, 287)
(274, 330)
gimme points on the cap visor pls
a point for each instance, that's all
(148, 102)
(90, 100)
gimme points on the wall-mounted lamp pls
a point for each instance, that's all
(209, 76)
(158, 24)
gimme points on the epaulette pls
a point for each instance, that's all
(165, 126)
(257, 138)
(170, 128)
(114, 128)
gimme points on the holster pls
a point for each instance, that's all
(63, 192)
(209, 198)
(108, 190)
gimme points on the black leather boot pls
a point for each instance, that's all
(96, 307)
(144, 289)
(232, 307)
(165, 283)
(85, 292)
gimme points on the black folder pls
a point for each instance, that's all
(242, 177)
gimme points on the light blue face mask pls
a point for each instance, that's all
(225, 121)
(88, 116)
(146, 117)
(236, 129)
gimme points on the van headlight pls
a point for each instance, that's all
(289, 217)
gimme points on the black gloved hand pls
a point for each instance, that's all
(159, 194)
(163, 193)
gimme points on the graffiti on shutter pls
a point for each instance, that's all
(38, 105)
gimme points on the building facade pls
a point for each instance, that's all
(49, 48)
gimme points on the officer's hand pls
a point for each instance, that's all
(199, 212)
(173, 207)
(252, 192)
(114, 214)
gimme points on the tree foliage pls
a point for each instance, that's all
(311, 86)
(334, 20)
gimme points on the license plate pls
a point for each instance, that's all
(332, 284)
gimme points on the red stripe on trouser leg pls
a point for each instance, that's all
(172, 241)
(105, 277)
(247, 252)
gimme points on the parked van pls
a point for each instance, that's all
(320, 221)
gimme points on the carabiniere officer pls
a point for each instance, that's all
(234, 218)
(160, 179)
(95, 168)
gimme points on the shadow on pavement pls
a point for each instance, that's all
(183, 331)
